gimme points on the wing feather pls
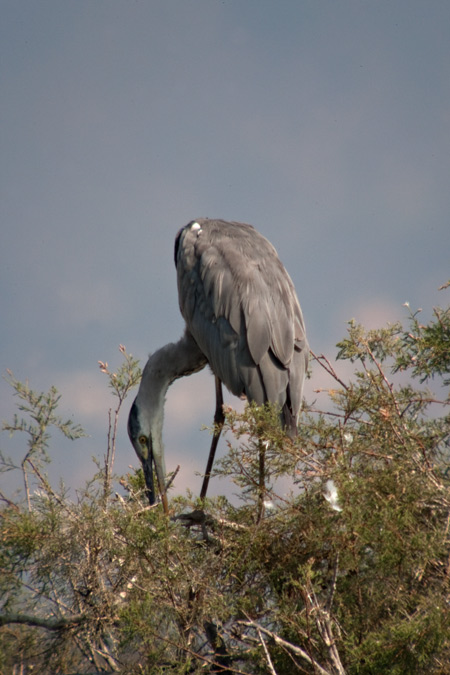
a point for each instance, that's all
(240, 306)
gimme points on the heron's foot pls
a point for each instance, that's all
(200, 519)
(195, 517)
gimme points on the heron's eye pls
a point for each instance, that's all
(143, 440)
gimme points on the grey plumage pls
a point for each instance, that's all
(242, 317)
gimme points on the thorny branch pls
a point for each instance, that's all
(298, 651)
(121, 382)
(324, 625)
(326, 365)
(266, 652)
(48, 624)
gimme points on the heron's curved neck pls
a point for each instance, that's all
(166, 365)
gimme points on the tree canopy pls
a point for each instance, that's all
(334, 560)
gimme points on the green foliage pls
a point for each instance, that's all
(334, 559)
(40, 416)
(423, 349)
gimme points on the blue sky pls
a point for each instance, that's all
(324, 124)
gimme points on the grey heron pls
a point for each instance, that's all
(242, 318)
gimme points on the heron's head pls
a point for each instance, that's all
(139, 431)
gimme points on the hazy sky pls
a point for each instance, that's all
(324, 124)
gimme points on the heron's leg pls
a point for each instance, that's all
(219, 419)
(262, 482)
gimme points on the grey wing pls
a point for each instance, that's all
(240, 305)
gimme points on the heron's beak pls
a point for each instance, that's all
(161, 478)
(147, 466)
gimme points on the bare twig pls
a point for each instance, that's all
(172, 478)
(330, 598)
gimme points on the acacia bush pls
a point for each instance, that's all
(334, 560)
